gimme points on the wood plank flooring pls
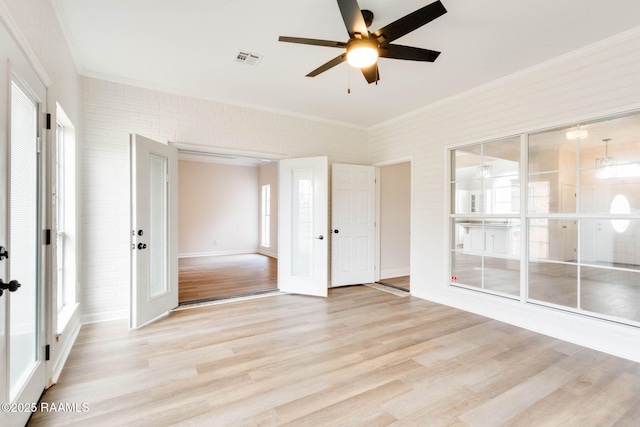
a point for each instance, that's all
(206, 278)
(397, 282)
(361, 357)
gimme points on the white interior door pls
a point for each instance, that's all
(22, 308)
(353, 212)
(154, 229)
(303, 226)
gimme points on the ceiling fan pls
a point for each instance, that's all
(364, 48)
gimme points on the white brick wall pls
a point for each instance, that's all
(112, 111)
(585, 84)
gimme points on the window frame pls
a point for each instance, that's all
(527, 217)
(65, 196)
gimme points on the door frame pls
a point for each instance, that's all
(202, 150)
(378, 253)
(207, 150)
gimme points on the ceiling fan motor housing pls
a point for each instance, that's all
(368, 17)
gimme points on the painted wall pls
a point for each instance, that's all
(592, 82)
(268, 174)
(395, 220)
(111, 111)
(217, 208)
(35, 26)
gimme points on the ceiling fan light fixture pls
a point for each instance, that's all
(362, 53)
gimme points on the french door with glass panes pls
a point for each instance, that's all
(154, 229)
(22, 308)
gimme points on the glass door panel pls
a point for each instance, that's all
(23, 238)
(302, 232)
(158, 226)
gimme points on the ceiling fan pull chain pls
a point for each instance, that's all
(348, 80)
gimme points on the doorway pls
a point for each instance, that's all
(302, 210)
(227, 245)
(395, 224)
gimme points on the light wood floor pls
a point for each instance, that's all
(361, 357)
(397, 282)
(205, 278)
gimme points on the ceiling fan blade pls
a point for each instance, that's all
(396, 51)
(410, 22)
(372, 74)
(352, 17)
(314, 42)
(324, 67)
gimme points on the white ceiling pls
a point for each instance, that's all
(189, 47)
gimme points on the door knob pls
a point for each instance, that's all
(12, 286)
(336, 231)
(142, 246)
(319, 237)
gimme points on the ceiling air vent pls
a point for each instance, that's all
(248, 58)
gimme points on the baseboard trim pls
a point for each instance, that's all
(107, 316)
(268, 253)
(66, 350)
(218, 253)
(394, 272)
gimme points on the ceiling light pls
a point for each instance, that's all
(605, 165)
(362, 53)
(485, 171)
(577, 134)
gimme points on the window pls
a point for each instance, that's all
(580, 218)
(65, 218)
(485, 217)
(620, 205)
(265, 214)
(60, 215)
